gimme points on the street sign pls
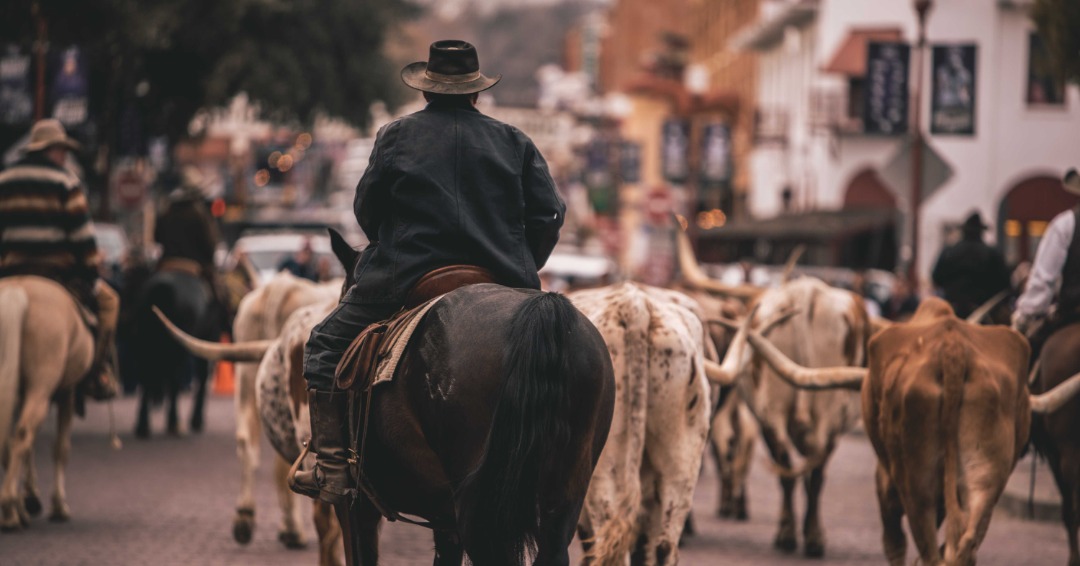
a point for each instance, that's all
(897, 172)
(886, 104)
(129, 184)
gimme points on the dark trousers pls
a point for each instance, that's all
(331, 337)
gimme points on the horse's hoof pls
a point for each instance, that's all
(291, 540)
(243, 526)
(142, 432)
(174, 431)
(814, 549)
(785, 544)
(33, 505)
(11, 528)
(196, 425)
(60, 516)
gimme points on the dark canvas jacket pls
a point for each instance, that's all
(970, 273)
(449, 185)
(186, 230)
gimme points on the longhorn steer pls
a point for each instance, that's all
(947, 409)
(643, 485)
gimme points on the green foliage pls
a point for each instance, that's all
(295, 57)
(1057, 22)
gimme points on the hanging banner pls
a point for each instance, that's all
(886, 104)
(69, 89)
(16, 100)
(675, 155)
(716, 154)
(952, 108)
(630, 162)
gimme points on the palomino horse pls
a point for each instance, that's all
(163, 367)
(45, 349)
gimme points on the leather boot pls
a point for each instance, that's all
(329, 479)
(102, 380)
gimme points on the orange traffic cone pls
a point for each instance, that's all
(224, 381)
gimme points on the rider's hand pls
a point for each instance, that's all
(1024, 323)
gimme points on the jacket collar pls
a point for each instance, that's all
(451, 104)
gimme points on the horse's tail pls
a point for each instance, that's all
(12, 317)
(529, 437)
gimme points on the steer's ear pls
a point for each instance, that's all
(344, 252)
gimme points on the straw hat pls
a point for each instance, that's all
(49, 132)
(452, 68)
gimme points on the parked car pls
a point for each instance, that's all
(267, 250)
(113, 246)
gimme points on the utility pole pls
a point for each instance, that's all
(922, 8)
(41, 49)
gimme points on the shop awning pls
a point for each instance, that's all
(850, 58)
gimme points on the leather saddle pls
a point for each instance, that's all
(357, 367)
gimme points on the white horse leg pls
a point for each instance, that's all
(34, 410)
(248, 430)
(290, 534)
(65, 410)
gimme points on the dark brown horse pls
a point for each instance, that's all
(1056, 434)
(490, 429)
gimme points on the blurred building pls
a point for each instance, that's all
(999, 130)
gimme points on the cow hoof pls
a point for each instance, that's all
(142, 432)
(814, 550)
(196, 425)
(60, 515)
(243, 526)
(742, 515)
(291, 540)
(33, 505)
(785, 544)
(11, 528)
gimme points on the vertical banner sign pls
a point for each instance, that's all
(674, 149)
(886, 107)
(69, 89)
(630, 162)
(952, 109)
(16, 102)
(716, 154)
(598, 176)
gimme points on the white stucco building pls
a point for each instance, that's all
(811, 152)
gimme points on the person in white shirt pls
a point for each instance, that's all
(1054, 278)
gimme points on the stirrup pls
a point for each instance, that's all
(296, 487)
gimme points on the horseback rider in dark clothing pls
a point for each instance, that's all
(188, 234)
(444, 186)
(970, 272)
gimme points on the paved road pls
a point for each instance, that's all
(168, 501)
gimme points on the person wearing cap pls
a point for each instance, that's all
(444, 186)
(46, 230)
(1056, 267)
(970, 272)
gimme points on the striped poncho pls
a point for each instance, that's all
(45, 221)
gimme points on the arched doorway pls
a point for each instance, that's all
(1024, 213)
(874, 247)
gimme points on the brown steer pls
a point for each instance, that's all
(947, 409)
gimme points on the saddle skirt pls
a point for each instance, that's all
(373, 356)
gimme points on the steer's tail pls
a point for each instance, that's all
(13, 305)
(954, 359)
(529, 437)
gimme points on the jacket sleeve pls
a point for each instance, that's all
(1046, 269)
(544, 208)
(372, 201)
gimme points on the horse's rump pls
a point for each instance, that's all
(185, 300)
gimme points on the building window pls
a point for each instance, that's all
(856, 98)
(1044, 84)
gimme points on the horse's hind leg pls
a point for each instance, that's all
(142, 422)
(448, 550)
(65, 410)
(202, 374)
(12, 513)
(556, 534)
(290, 534)
(173, 421)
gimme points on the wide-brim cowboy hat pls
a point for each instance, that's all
(1071, 181)
(48, 133)
(452, 68)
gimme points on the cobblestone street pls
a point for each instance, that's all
(169, 501)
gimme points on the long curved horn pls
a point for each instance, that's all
(977, 316)
(1053, 400)
(242, 352)
(738, 355)
(792, 260)
(878, 324)
(695, 277)
(803, 377)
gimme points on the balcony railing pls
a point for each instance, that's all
(771, 126)
(831, 111)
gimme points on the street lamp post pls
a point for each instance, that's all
(922, 8)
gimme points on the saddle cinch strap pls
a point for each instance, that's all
(367, 352)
